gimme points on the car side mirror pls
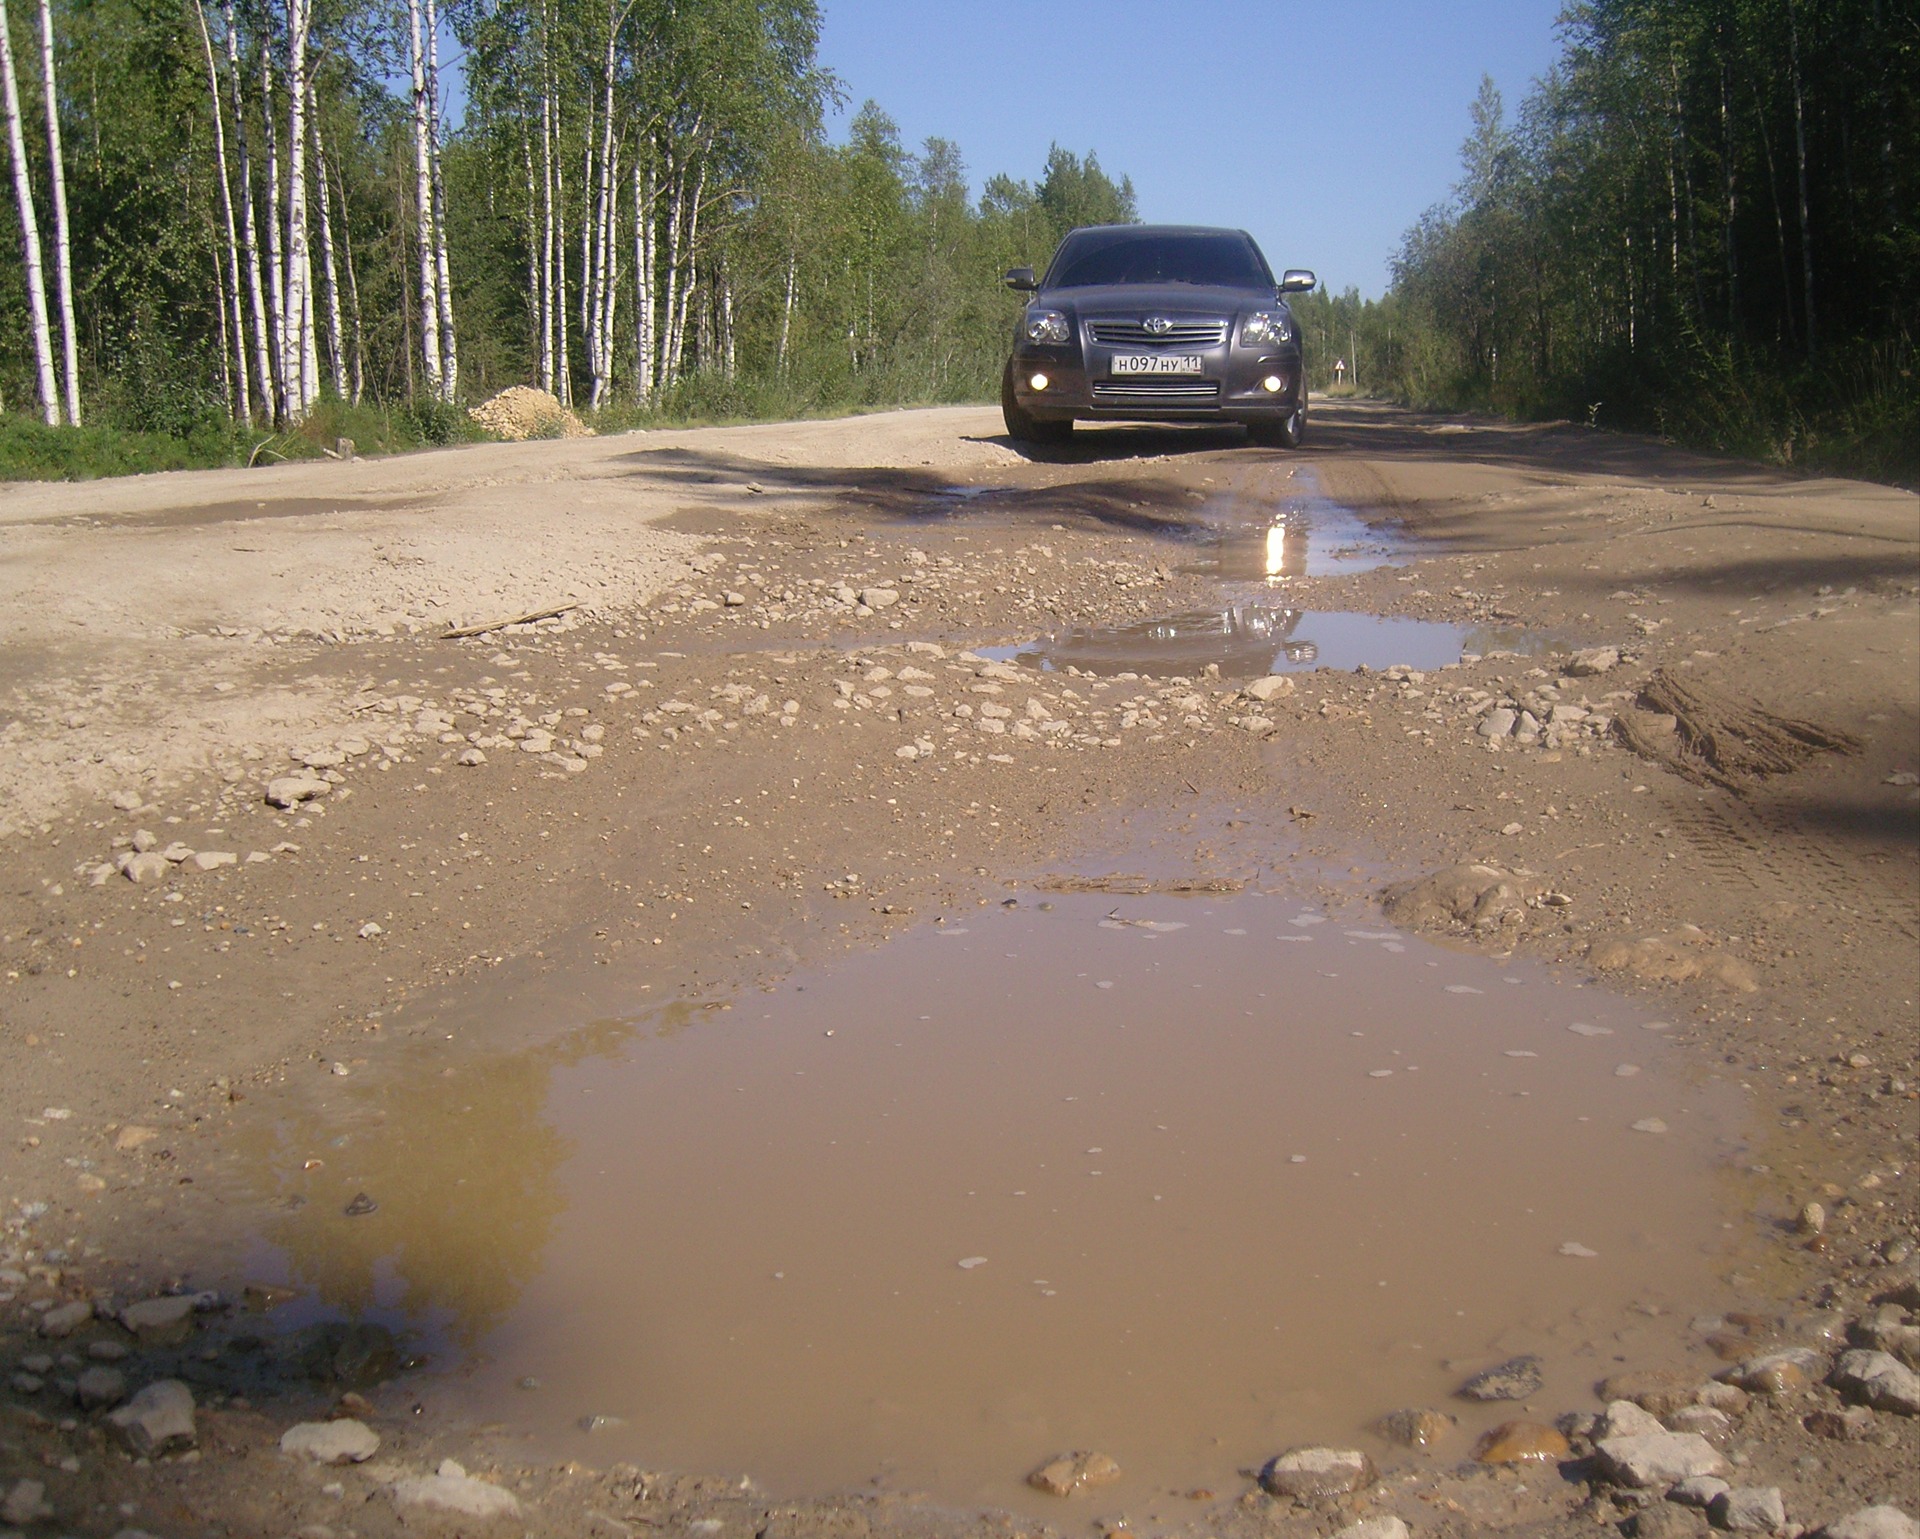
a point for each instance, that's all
(1297, 280)
(1021, 279)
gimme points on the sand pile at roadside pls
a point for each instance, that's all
(520, 412)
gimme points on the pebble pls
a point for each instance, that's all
(1851, 1425)
(1272, 687)
(157, 1420)
(1658, 1390)
(1715, 1426)
(471, 757)
(1521, 1442)
(1649, 1125)
(1515, 1379)
(1070, 1472)
(1589, 661)
(1877, 1379)
(331, 1442)
(1663, 1520)
(1314, 1474)
(451, 1489)
(1625, 1419)
(1700, 1491)
(145, 867)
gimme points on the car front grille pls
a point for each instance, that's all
(1185, 333)
(1164, 390)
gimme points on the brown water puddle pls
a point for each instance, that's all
(1185, 1180)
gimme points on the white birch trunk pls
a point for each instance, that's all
(353, 294)
(693, 270)
(241, 398)
(29, 229)
(670, 295)
(643, 275)
(548, 380)
(249, 235)
(62, 245)
(303, 382)
(329, 270)
(563, 359)
(449, 350)
(276, 270)
(786, 310)
(727, 360)
(423, 208)
(534, 318)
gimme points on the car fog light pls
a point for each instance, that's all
(1039, 382)
(1271, 384)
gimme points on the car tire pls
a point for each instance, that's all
(1022, 425)
(1284, 434)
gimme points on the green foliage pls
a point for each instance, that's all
(1636, 251)
(32, 451)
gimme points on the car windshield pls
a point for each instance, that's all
(1217, 259)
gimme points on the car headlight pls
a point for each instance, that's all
(1046, 326)
(1266, 328)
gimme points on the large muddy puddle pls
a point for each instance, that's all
(1185, 1180)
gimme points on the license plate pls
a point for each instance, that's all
(1156, 363)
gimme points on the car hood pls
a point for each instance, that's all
(1161, 298)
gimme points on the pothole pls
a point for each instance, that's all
(1247, 639)
(1187, 1180)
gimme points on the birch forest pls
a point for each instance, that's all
(234, 215)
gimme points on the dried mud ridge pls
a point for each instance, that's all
(447, 810)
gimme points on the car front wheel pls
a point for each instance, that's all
(1285, 433)
(1022, 425)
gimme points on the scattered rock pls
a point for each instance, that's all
(452, 1489)
(1700, 1491)
(292, 790)
(352, 1355)
(1272, 687)
(1882, 1522)
(1750, 1510)
(1715, 1426)
(1515, 1379)
(25, 1503)
(1659, 1458)
(1625, 1419)
(1070, 1472)
(64, 1319)
(1850, 1425)
(1388, 1527)
(1877, 1379)
(144, 867)
(1778, 1373)
(331, 1442)
(1521, 1442)
(1589, 661)
(879, 598)
(1415, 1427)
(160, 1321)
(1663, 1520)
(1658, 1390)
(157, 1420)
(1314, 1474)
(213, 860)
(99, 1387)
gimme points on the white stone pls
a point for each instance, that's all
(1376, 1528)
(157, 1420)
(1272, 687)
(1750, 1510)
(1878, 1379)
(213, 860)
(452, 1489)
(1498, 723)
(331, 1442)
(292, 790)
(1660, 1458)
(1625, 1419)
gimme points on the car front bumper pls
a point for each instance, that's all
(1230, 387)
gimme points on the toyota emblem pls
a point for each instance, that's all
(1157, 325)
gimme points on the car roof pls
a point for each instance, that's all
(1162, 229)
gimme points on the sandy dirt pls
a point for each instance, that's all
(752, 732)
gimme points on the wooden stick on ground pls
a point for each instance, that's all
(460, 632)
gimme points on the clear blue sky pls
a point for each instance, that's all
(1325, 130)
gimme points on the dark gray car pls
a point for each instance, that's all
(1156, 323)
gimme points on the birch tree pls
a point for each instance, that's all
(236, 326)
(29, 228)
(62, 240)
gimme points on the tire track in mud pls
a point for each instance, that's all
(1771, 854)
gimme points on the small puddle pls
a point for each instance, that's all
(1248, 639)
(1256, 549)
(1183, 1179)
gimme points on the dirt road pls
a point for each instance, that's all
(798, 687)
